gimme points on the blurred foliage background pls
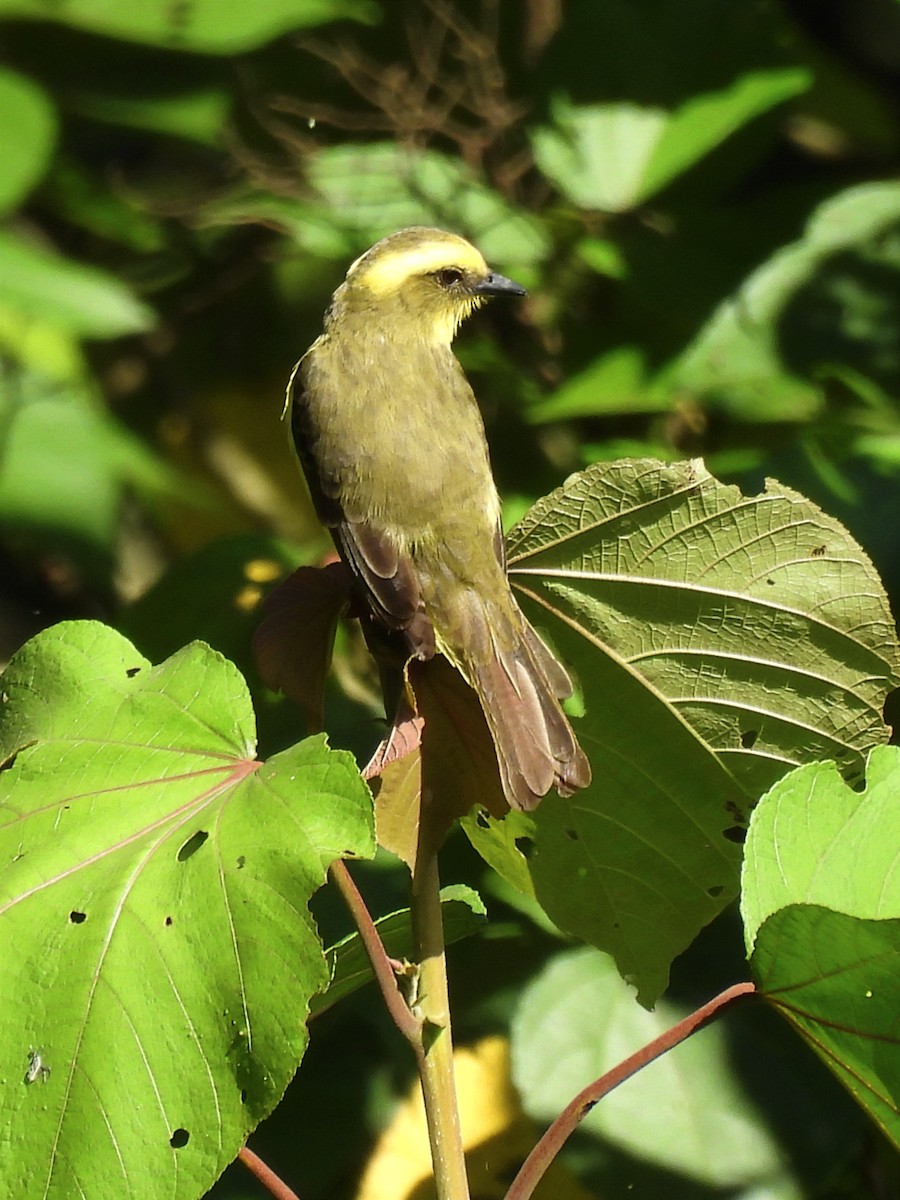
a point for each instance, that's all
(702, 197)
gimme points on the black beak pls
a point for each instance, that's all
(498, 285)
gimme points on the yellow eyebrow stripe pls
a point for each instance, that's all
(390, 271)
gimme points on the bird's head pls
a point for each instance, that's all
(424, 281)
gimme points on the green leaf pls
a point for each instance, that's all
(814, 840)
(718, 640)
(27, 138)
(613, 157)
(703, 122)
(73, 296)
(158, 951)
(614, 383)
(737, 358)
(836, 979)
(204, 26)
(821, 910)
(198, 115)
(463, 915)
(685, 1111)
(66, 463)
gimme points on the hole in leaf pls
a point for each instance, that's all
(770, 582)
(243, 1095)
(192, 845)
(241, 861)
(716, 890)
(571, 834)
(77, 917)
(179, 1138)
(748, 738)
(736, 834)
(132, 671)
(168, 921)
(482, 820)
(525, 846)
(891, 709)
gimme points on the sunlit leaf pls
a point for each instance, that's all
(613, 157)
(158, 951)
(738, 358)
(821, 909)
(718, 640)
(368, 191)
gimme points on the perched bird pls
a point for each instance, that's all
(392, 444)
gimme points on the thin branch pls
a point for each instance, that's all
(565, 1124)
(408, 1024)
(266, 1175)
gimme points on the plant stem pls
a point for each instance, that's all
(408, 1024)
(266, 1175)
(551, 1143)
(435, 1054)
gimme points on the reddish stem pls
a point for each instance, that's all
(565, 1124)
(266, 1175)
(382, 966)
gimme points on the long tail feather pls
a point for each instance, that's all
(519, 689)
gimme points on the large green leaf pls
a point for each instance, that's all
(615, 156)
(718, 640)
(206, 26)
(821, 909)
(158, 952)
(26, 141)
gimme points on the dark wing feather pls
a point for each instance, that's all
(388, 579)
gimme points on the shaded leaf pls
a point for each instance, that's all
(616, 382)
(449, 766)
(836, 979)
(686, 1111)
(294, 643)
(158, 949)
(463, 915)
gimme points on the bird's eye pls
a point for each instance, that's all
(449, 276)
